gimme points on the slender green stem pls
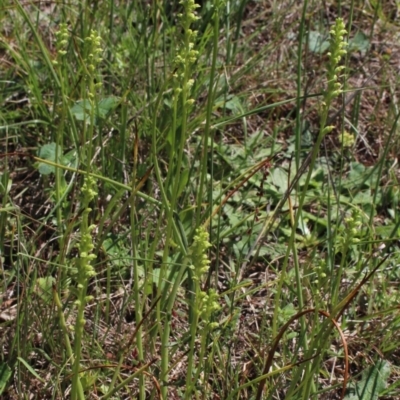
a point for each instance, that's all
(299, 86)
(139, 299)
(207, 130)
(86, 256)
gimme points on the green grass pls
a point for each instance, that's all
(177, 219)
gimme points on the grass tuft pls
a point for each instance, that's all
(199, 200)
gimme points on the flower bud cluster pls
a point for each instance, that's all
(208, 305)
(320, 271)
(186, 54)
(346, 139)
(200, 260)
(86, 243)
(62, 42)
(351, 231)
(94, 57)
(337, 51)
(354, 225)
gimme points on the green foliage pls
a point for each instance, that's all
(48, 152)
(45, 288)
(317, 42)
(194, 194)
(81, 110)
(372, 383)
(359, 43)
(5, 376)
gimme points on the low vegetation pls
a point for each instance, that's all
(199, 201)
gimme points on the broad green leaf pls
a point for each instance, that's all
(280, 179)
(5, 184)
(385, 231)
(287, 312)
(7, 208)
(31, 370)
(234, 105)
(48, 152)
(116, 251)
(317, 42)
(363, 197)
(106, 105)
(373, 382)
(45, 288)
(5, 375)
(359, 176)
(305, 230)
(183, 181)
(70, 159)
(82, 108)
(359, 43)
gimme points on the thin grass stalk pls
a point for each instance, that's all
(207, 131)
(299, 283)
(124, 134)
(337, 44)
(18, 342)
(332, 228)
(102, 178)
(281, 282)
(63, 325)
(40, 43)
(292, 245)
(154, 36)
(60, 65)
(163, 325)
(299, 129)
(331, 93)
(126, 381)
(139, 299)
(5, 209)
(173, 138)
(227, 27)
(192, 345)
(85, 269)
(240, 12)
(303, 342)
(202, 307)
(59, 147)
(111, 34)
(184, 103)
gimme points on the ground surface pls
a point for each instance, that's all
(268, 42)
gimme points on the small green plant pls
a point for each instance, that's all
(372, 383)
(334, 89)
(189, 180)
(176, 179)
(83, 270)
(204, 304)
